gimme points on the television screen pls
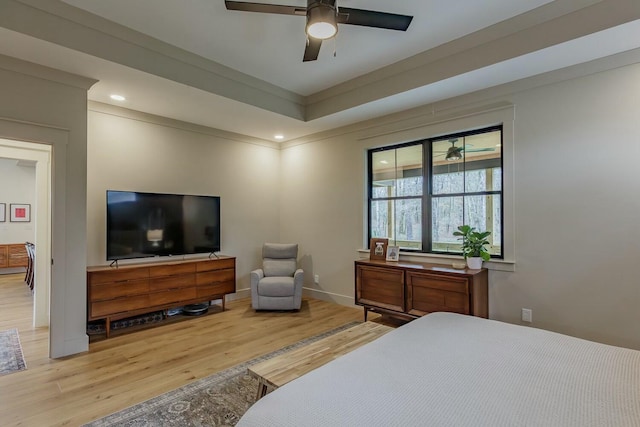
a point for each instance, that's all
(151, 224)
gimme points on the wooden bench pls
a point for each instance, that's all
(279, 370)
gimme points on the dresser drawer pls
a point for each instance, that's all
(173, 282)
(380, 287)
(172, 269)
(118, 275)
(444, 283)
(4, 256)
(217, 264)
(171, 296)
(217, 289)
(18, 255)
(120, 305)
(427, 293)
(106, 291)
(210, 277)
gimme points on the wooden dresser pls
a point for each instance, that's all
(410, 289)
(118, 292)
(13, 255)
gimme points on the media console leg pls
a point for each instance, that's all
(107, 326)
(365, 313)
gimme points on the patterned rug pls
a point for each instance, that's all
(217, 400)
(11, 358)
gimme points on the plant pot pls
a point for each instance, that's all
(474, 263)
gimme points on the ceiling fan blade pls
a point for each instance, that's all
(265, 8)
(312, 50)
(477, 150)
(371, 18)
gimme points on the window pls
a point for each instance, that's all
(418, 208)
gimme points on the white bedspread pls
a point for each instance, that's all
(451, 370)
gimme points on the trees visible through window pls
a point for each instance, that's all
(418, 208)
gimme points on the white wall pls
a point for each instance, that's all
(573, 261)
(575, 204)
(47, 106)
(18, 186)
(139, 152)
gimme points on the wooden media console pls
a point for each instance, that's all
(115, 293)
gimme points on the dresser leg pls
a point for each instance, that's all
(365, 313)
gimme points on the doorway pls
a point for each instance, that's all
(37, 156)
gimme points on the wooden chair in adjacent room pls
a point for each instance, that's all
(31, 258)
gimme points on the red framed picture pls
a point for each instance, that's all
(20, 212)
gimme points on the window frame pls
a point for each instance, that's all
(427, 191)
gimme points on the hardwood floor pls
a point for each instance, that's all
(127, 369)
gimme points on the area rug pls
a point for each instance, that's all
(11, 358)
(217, 400)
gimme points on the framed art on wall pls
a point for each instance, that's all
(20, 212)
(378, 248)
(3, 212)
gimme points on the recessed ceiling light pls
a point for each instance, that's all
(384, 162)
(498, 145)
(278, 137)
(117, 97)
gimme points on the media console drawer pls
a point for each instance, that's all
(105, 290)
(174, 282)
(118, 292)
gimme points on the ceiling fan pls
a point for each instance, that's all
(455, 153)
(323, 17)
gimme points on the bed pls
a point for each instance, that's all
(447, 369)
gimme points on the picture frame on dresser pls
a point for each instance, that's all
(20, 212)
(378, 248)
(393, 253)
(3, 212)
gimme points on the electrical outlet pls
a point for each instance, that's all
(316, 279)
(527, 315)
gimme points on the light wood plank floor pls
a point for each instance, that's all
(127, 369)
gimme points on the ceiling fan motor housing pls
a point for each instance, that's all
(322, 13)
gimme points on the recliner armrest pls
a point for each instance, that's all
(298, 277)
(256, 275)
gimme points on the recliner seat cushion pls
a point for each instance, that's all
(276, 287)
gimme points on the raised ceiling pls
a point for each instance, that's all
(242, 72)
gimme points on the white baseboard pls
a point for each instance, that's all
(329, 296)
(73, 346)
(346, 300)
(240, 293)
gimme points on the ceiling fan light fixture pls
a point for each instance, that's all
(321, 21)
(453, 154)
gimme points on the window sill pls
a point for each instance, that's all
(494, 264)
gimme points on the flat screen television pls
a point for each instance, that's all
(153, 224)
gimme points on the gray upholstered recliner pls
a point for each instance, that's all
(278, 284)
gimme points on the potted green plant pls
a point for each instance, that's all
(473, 245)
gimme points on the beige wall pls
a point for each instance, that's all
(18, 186)
(139, 152)
(47, 106)
(573, 236)
(574, 203)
